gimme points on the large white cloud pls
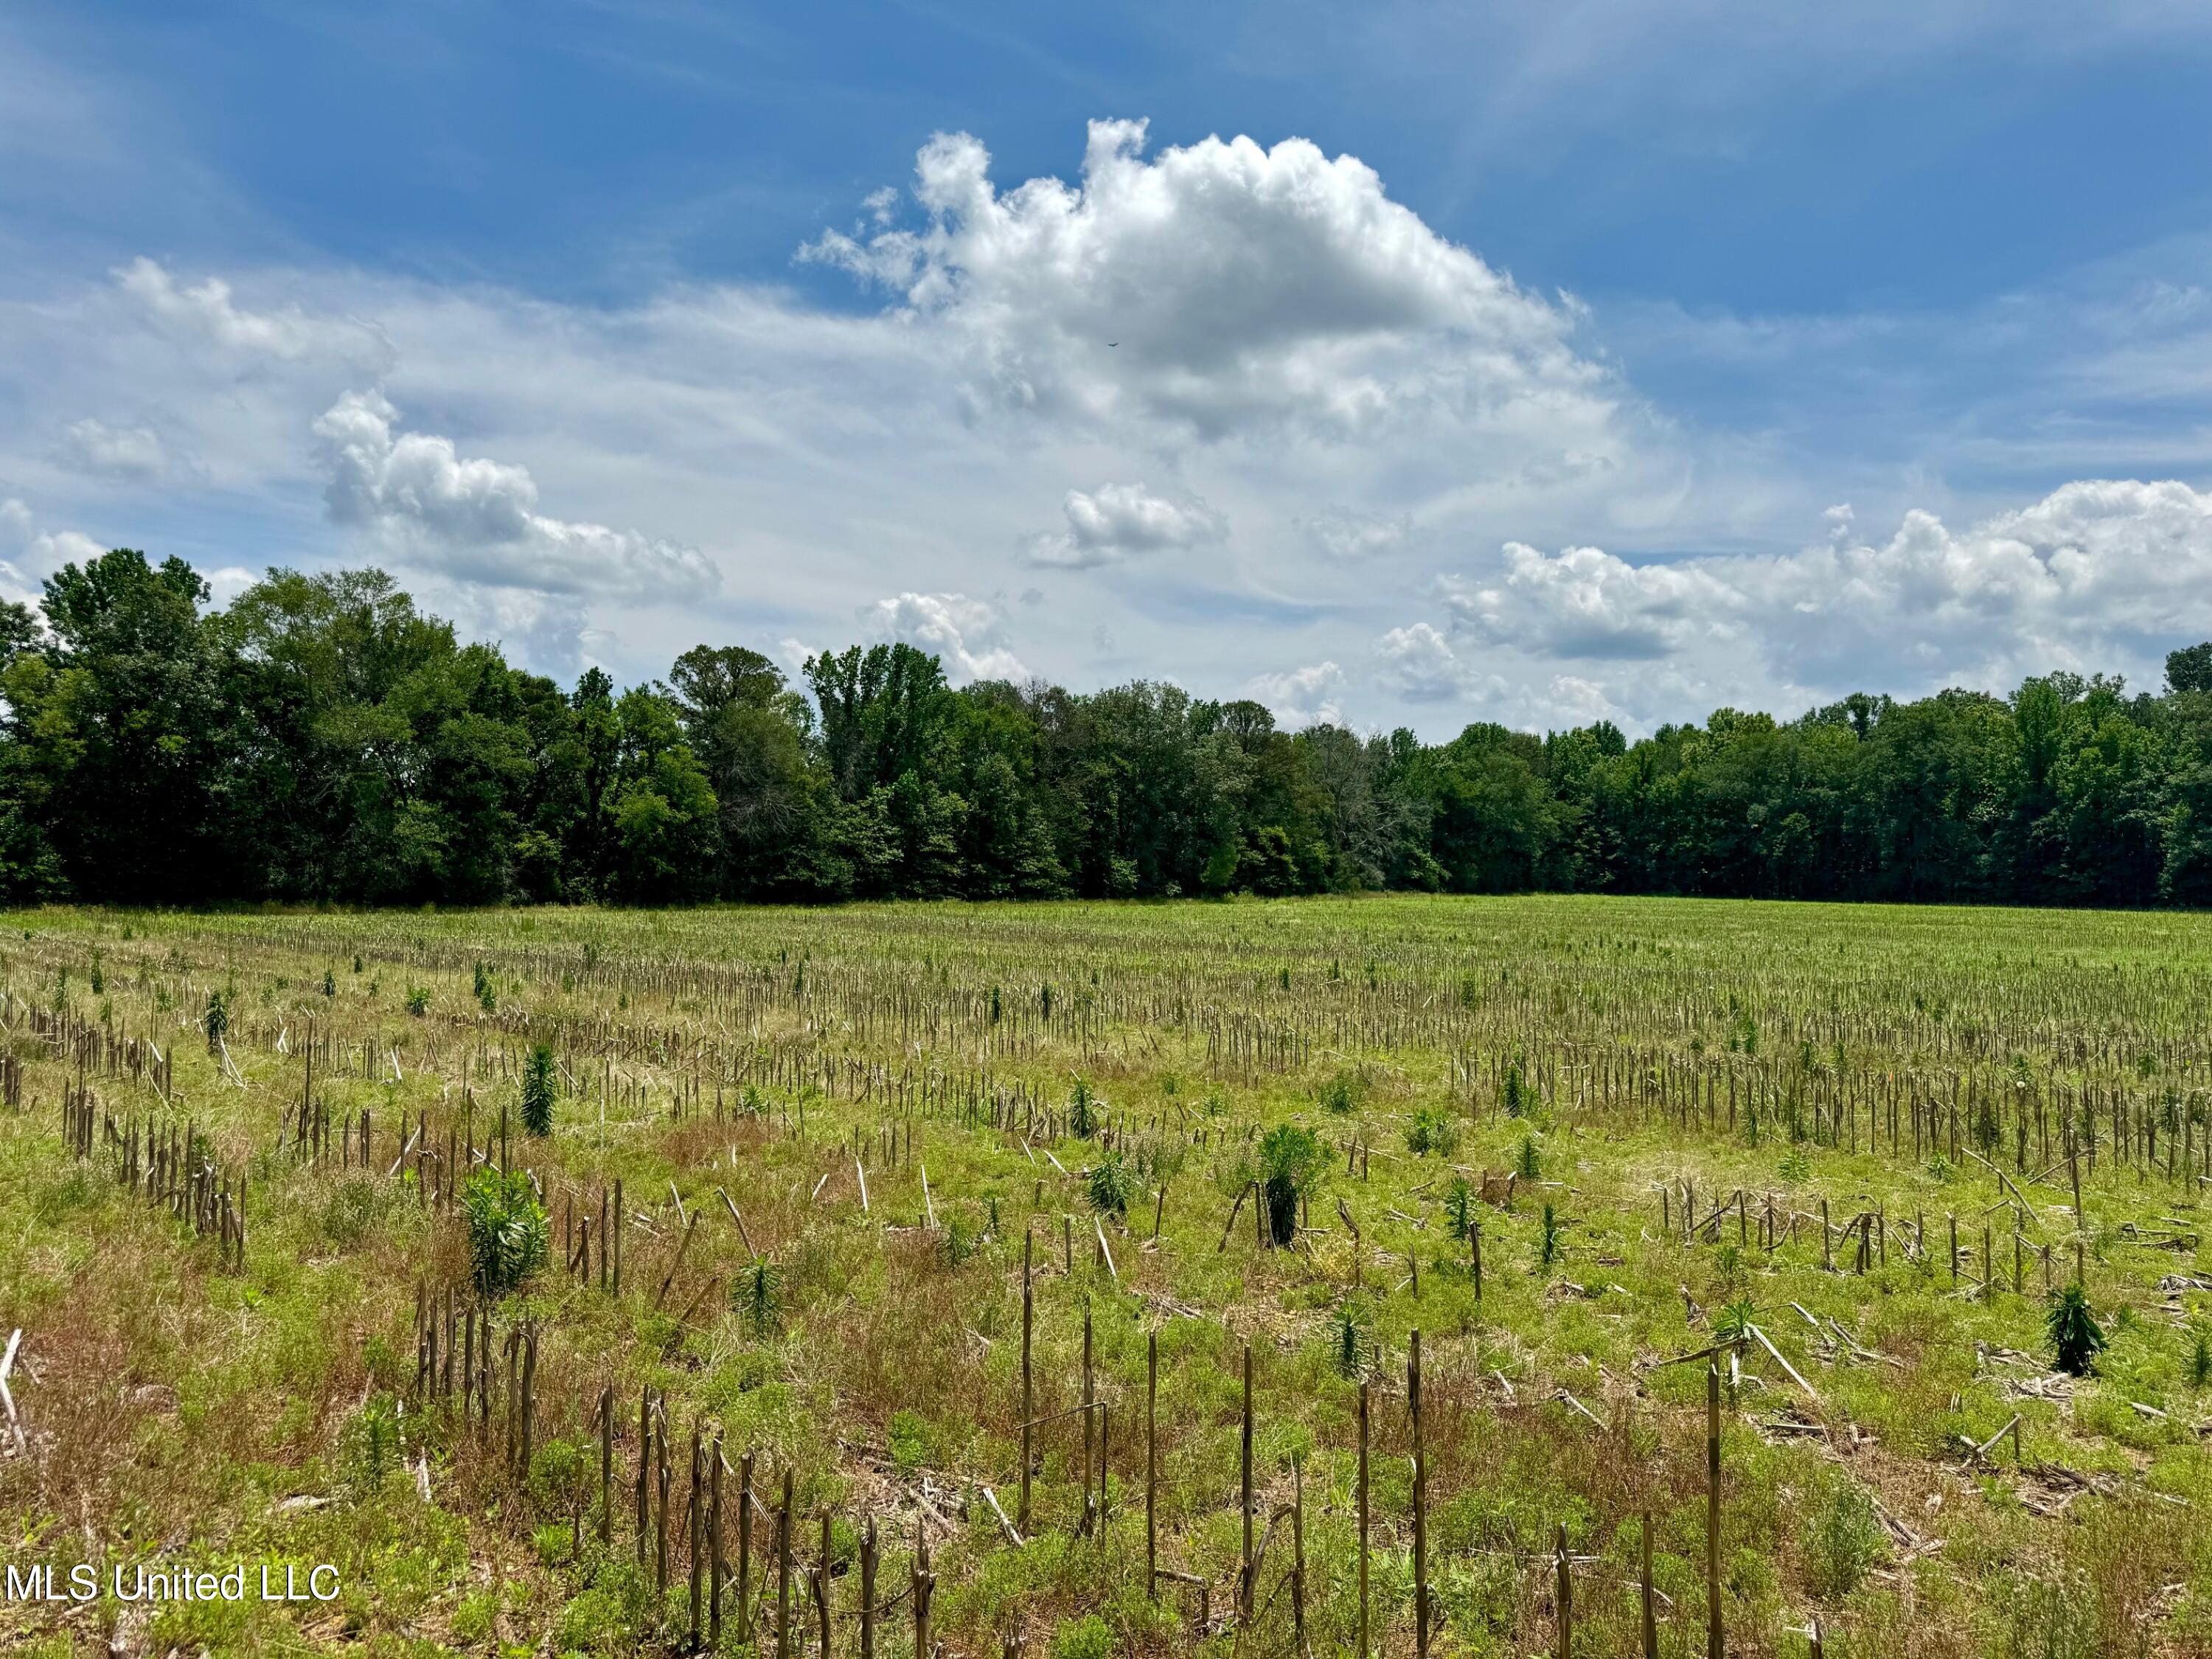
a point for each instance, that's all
(969, 634)
(478, 519)
(1222, 287)
(2096, 573)
(1116, 521)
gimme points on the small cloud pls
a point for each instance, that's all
(209, 314)
(1302, 697)
(1418, 663)
(30, 553)
(134, 453)
(1119, 521)
(1348, 536)
(969, 636)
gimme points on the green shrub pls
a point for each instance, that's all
(508, 1232)
(368, 1448)
(1460, 1213)
(1350, 1341)
(1515, 1094)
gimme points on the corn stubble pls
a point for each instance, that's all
(657, 1282)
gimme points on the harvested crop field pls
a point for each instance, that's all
(1051, 1279)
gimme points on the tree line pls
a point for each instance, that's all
(322, 739)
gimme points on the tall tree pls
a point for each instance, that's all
(120, 724)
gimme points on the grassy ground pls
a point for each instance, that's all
(1635, 1064)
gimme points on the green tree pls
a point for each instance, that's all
(660, 809)
(117, 726)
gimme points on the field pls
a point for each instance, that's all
(841, 1209)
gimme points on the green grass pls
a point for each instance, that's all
(779, 1058)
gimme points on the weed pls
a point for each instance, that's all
(2049, 1618)
(1732, 1321)
(1432, 1129)
(1112, 1185)
(958, 1239)
(757, 1296)
(2072, 1330)
(1340, 1095)
(1291, 1159)
(1842, 1539)
(1551, 1239)
(540, 1085)
(508, 1231)
(1086, 1111)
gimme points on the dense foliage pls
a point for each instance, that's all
(319, 739)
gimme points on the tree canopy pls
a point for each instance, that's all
(321, 738)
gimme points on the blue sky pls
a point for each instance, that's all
(1533, 364)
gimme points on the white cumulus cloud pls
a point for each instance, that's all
(969, 634)
(1117, 520)
(478, 519)
(1302, 697)
(27, 553)
(1224, 287)
(2096, 572)
(1418, 664)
